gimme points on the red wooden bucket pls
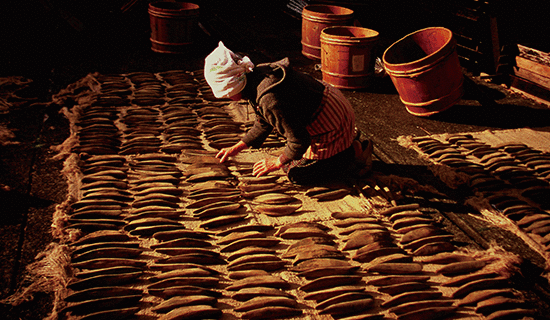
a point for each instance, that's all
(317, 17)
(173, 25)
(425, 70)
(347, 59)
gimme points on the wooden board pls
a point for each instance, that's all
(532, 66)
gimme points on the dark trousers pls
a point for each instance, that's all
(311, 172)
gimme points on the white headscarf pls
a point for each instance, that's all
(225, 72)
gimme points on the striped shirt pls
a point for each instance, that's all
(333, 129)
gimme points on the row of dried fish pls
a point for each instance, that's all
(104, 264)
(331, 280)
(391, 269)
(104, 194)
(512, 177)
(97, 132)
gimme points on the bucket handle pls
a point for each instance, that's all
(414, 73)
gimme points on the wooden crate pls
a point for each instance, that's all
(530, 74)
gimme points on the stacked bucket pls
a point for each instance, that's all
(345, 51)
(423, 65)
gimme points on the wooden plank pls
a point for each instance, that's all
(530, 90)
(533, 77)
(534, 55)
(533, 66)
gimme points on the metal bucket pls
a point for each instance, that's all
(425, 70)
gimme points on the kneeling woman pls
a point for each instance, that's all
(317, 121)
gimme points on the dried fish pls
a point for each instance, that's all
(108, 263)
(168, 267)
(223, 220)
(272, 312)
(234, 236)
(259, 257)
(270, 281)
(183, 233)
(511, 314)
(329, 195)
(433, 248)
(410, 297)
(122, 313)
(481, 284)
(413, 245)
(245, 228)
(262, 265)
(181, 273)
(176, 302)
(105, 279)
(404, 287)
(496, 303)
(201, 258)
(241, 274)
(428, 313)
(249, 293)
(101, 292)
(368, 256)
(200, 311)
(320, 272)
(218, 209)
(400, 208)
(318, 251)
(100, 304)
(417, 305)
(361, 226)
(277, 210)
(301, 224)
(323, 295)
(362, 238)
(396, 257)
(349, 307)
(397, 279)
(305, 232)
(419, 233)
(406, 222)
(207, 201)
(330, 281)
(396, 268)
(201, 281)
(169, 292)
(461, 267)
(275, 198)
(260, 302)
(348, 214)
(319, 263)
(293, 250)
(113, 252)
(481, 295)
(447, 257)
(147, 231)
(461, 280)
(349, 296)
(259, 242)
(182, 243)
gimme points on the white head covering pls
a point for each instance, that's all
(225, 73)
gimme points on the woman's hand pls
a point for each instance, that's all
(266, 166)
(231, 151)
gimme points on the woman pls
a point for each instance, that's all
(315, 118)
